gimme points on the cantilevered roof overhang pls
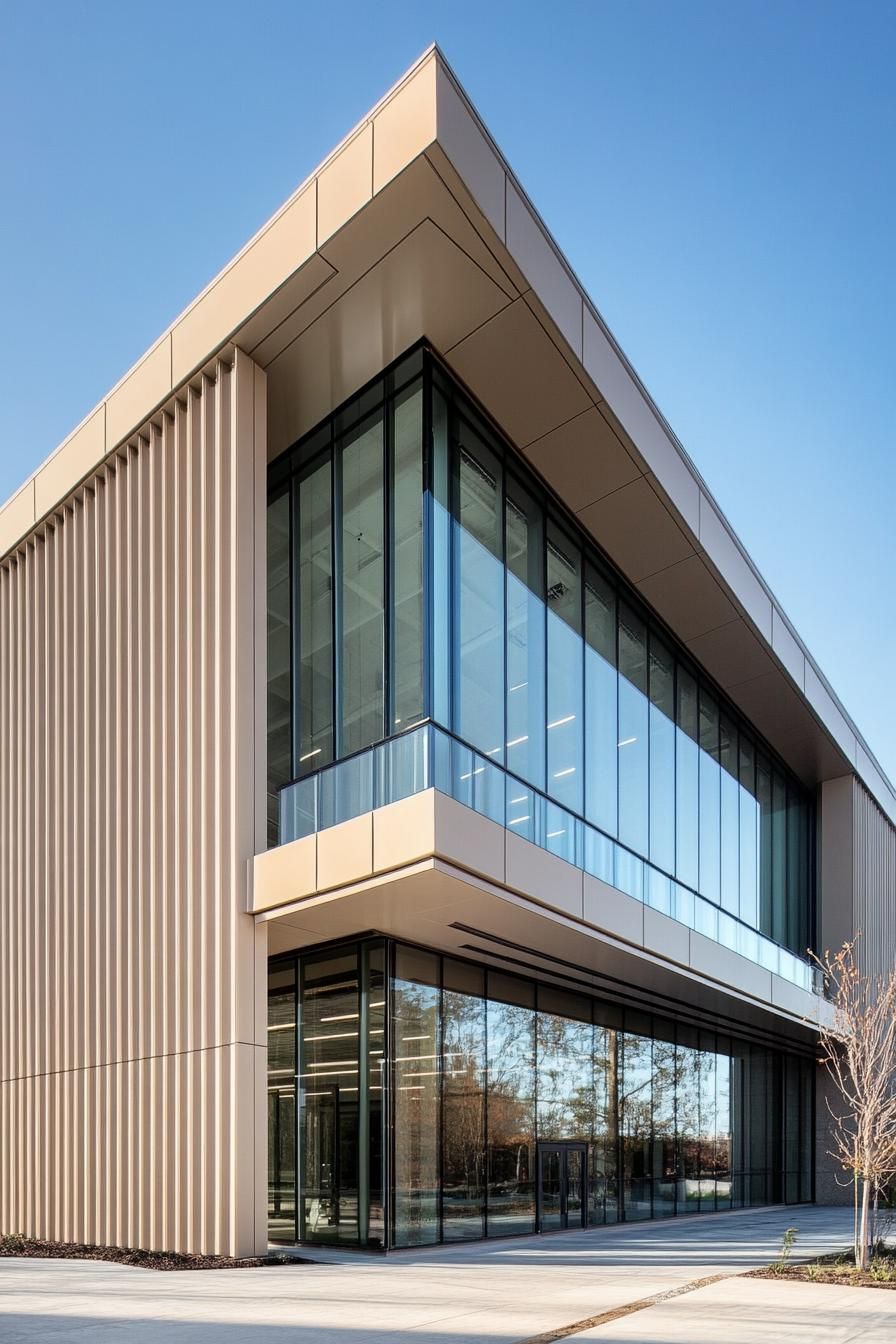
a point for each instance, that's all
(415, 226)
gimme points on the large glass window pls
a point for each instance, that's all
(478, 548)
(601, 707)
(408, 695)
(511, 1106)
(428, 1100)
(662, 755)
(565, 669)
(418, 571)
(329, 1079)
(282, 1146)
(314, 602)
(417, 1053)
(633, 731)
(279, 648)
(362, 597)
(525, 657)
(463, 1105)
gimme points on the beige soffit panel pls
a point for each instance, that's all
(583, 459)
(637, 530)
(515, 369)
(282, 247)
(688, 598)
(731, 653)
(424, 286)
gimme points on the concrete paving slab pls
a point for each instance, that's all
(756, 1311)
(498, 1292)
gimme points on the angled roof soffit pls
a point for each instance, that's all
(420, 187)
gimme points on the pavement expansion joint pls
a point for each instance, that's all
(605, 1317)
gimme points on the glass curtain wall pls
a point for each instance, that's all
(346, 646)
(555, 671)
(427, 1097)
(416, 571)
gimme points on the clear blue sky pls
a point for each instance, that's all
(721, 176)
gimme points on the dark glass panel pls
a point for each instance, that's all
(463, 1105)
(764, 799)
(632, 742)
(636, 1125)
(565, 739)
(279, 652)
(723, 1144)
(479, 594)
(407, 559)
(706, 1065)
(510, 1113)
(601, 697)
(328, 1096)
(375, 1004)
(749, 833)
(779, 858)
(687, 787)
(525, 653)
(687, 1120)
(662, 755)
(362, 606)
(440, 560)
(416, 1039)
(315, 620)
(566, 1094)
(664, 1153)
(710, 795)
(730, 816)
(282, 1104)
(602, 1153)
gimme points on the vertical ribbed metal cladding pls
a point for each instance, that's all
(132, 1041)
(874, 883)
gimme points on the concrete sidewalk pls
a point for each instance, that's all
(756, 1311)
(481, 1293)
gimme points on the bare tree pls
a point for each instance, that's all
(858, 1048)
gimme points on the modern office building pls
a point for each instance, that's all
(415, 809)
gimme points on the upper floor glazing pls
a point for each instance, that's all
(419, 571)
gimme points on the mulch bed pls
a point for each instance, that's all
(29, 1248)
(838, 1269)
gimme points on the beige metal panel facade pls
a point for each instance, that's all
(132, 1045)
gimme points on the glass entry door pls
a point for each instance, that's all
(561, 1186)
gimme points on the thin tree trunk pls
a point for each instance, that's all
(855, 1216)
(866, 1200)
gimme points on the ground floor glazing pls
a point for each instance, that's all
(415, 1098)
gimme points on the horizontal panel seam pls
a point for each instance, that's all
(136, 1059)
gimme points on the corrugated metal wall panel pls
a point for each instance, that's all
(132, 1013)
(874, 883)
